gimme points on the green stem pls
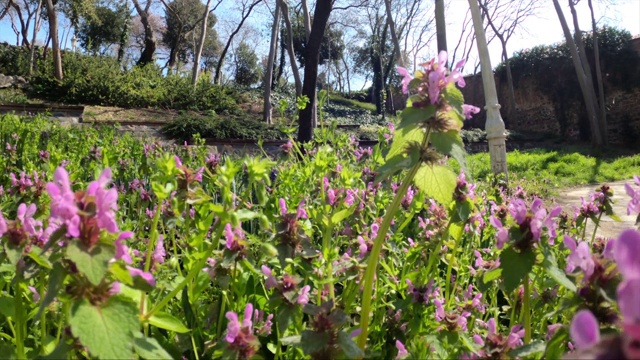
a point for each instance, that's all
(375, 254)
(43, 321)
(595, 229)
(19, 331)
(192, 274)
(147, 263)
(526, 310)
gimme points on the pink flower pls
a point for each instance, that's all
(502, 235)
(63, 204)
(469, 110)
(303, 297)
(283, 207)
(406, 78)
(402, 351)
(3, 225)
(584, 329)
(106, 201)
(25, 216)
(580, 257)
(271, 281)
(122, 250)
(159, 253)
(148, 277)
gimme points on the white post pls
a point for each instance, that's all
(494, 125)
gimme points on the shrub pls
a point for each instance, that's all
(185, 127)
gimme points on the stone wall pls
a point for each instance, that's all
(536, 112)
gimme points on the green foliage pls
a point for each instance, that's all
(331, 48)
(101, 81)
(14, 60)
(248, 70)
(108, 27)
(185, 127)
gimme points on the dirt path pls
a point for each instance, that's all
(570, 198)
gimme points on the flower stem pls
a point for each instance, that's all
(19, 333)
(526, 310)
(375, 254)
(190, 276)
(595, 228)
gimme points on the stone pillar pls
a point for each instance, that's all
(494, 125)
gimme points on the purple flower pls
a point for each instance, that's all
(402, 351)
(580, 257)
(148, 277)
(350, 198)
(301, 213)
(502, 235)
(303, 297)
(634, 203)
(331, 197)
(515, 337)
(626, 253)
(406, 78)
(63, 204)
(3, 225)
(271, 281)
(437, 77)
(283, 207)
(234, 326)
(584, 329)
(469, 110)
(122, 250)
(25, 216)
(106, 201)
(34, 292)
(159, 253)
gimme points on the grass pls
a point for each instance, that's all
(565, 167)
(352, 103)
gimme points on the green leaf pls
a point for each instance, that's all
(7, 306)
(550, 266)
(437, 182)
(450, 143)
(166, 321)
(312, 341)
(56, 280)
(338, 217)
(108, 330)
(556, 347)
(61, 351)
(532, 348)
(291, 340)
(489, 276)
(515, 266)
(397, 163)
(149, 348)
(13, 253)
(94, 262)
(7, 352)
(402, 138)
(453, 96)
(284, 316)
(350, 348)
(39, 259)
(412, 116)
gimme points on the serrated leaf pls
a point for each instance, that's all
(349, 347)
(149, 348)
(312, 341)
(39, 259)
(556, 346)
(13, 253)
(169, 322)
(412, 116)
(284, 316)
(489, 276)
(550, 266)
(515, 266)
(402, 138)
(108, 330)
(7, 306)
(397, 163)
(453, 96)
(93, 262)
(450, 143)
(523, 351)
(437, 182)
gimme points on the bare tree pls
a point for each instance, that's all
(146, 57)
(394, 35)
(36, 28)
(292, 58)
(268, 77)
(320, 20)
(53, 33)
(601, 98)
(203, 36)
(247, 7)
(504, 17)
(587, 93)
(441, 26)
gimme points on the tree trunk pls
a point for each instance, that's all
(394, 36)
(53, 31)
(320, 19)
(596, 135)
(511, 110)
(268, 77)
(203, 36)
(146, 57)
(441, 26)
(307, 19)
(577, 34)
(36, 28)
(223, 54)
(346, 67)
(601, 98)
(292, 57)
